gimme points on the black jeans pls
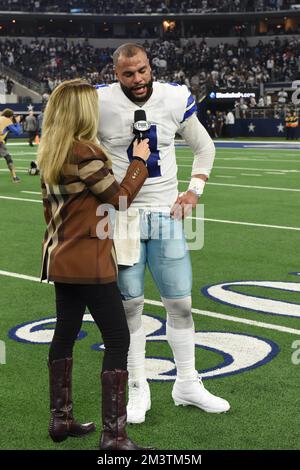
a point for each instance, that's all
(105, 305)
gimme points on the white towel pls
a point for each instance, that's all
(127, 236)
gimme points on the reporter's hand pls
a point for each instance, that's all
(141, 149)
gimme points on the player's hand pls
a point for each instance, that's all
(184, 205)
(141, 149)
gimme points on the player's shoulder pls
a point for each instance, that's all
(104, 89)
(173, 88)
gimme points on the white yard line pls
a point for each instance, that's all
(10, 198)
(233, 222)
(206, 313)
(4, 170)
(247, 168)
(258, 150)
(255, 169)
(19, 154)
(242, 159)
(31, 192)
(247, 186)
(236, 159)
(221, 316)
(249, 224)
(18, 144)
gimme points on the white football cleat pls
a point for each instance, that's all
(192, 392)
(139, 401)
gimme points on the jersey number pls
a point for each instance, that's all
(153, 162)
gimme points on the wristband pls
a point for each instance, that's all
(196, 186)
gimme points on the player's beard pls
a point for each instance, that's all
(128, 92)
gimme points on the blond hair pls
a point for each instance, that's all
(71, 115)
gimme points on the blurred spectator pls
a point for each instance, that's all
(229, 124)
(195, 64)
(282, 97)
(252, 103)
(9, 85)
(268, 101)
(40, 123)
(220, 121)
(261, 102)
(31, 127)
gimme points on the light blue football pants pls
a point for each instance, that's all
(164, 250)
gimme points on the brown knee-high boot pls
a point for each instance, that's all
(62, 423)
(113, 436)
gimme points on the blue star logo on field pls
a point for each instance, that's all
(236, 352)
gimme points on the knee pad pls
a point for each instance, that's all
(133, 310)
(179, 312)
(8, 159)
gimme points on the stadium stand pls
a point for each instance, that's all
(148, 6)
(195, 64)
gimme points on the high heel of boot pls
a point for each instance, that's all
(114, 418)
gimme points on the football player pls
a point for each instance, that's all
(9, 123)
(169, 109)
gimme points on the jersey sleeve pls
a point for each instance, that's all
(190, 108)
(15, 129)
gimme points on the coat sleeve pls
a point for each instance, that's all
(99, 179)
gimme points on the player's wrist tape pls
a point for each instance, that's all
(196, 186)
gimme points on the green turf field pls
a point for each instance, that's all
(247, 331)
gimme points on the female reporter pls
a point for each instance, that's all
(77, 178)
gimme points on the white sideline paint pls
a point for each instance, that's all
(234, 222)
(248, 186)
(206, 313)
(224, 176)
(251, 169)
(250, 141)
(250, 174)
(16, 144)
(20, 199)
(19, 154)
(256, 169)
(255, 160)
(31, 192)
(6, 170)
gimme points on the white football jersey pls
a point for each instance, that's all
(166, 109)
